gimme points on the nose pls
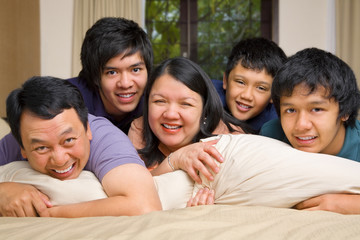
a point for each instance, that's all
(247, 94)
(59, 157)
(124, 81)
(171, 112)
(303, 122)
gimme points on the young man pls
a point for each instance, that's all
(317, 98)
(116, 58)
(247, 80)
(52, 130)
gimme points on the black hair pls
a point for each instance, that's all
(106, 39)
(46, 97)
(314, 68)
(256, 54)
(192, 76)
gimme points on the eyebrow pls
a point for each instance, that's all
(66, 131)
(160, 95)
(261, 82)
(131, 66)
(311, 103)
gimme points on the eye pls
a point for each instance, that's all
(136, 70)
(290, 110)
(316, 110)
(69, 141)
(262, 88)
(241, 82)
(41, 149)
(111, 72)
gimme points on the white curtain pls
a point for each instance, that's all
(348, 33)
(87, 12)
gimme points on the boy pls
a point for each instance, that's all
(317, 99)
(52, 130)
(247, 80)
(116, 58)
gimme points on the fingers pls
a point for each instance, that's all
(204, 196)
(309, 203)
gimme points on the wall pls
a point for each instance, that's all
(19, 45)
(306, 23)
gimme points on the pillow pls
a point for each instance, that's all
(84, 188)
(4, 128)
(257, 171)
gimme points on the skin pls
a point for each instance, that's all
(122, 84)
(174, 117)
(57, 144)
(310, 121)
(248, 91)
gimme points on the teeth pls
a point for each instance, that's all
(171, 127)
(65, 170)
(126, 95)
(306, 138)
(244, 106)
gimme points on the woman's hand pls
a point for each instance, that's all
(203, 197)
(197, 157)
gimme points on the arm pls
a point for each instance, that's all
(193, 158)
(131, 191)
(339, 203)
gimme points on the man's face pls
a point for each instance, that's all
(59, 147)
(122, 84)
(310, 121)
(248, 92)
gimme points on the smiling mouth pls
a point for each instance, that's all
(306, 138)
(129, 95)
(65, 170)
(170, 126)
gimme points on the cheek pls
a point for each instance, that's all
(262, 100)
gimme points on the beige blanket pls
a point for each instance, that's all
(205, 222)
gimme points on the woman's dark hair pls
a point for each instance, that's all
(314, 68)
(45, 97)
(192, 76)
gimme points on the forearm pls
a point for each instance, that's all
(163, 167)
(113, 206)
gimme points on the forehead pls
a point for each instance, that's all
(126, 59)
(303, 89)
(32, 126)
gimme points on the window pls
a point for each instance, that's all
(205, 30)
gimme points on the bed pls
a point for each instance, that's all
(203, 222)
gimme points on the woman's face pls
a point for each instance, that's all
(174, 112)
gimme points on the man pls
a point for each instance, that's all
(116, 58)
(52, 130)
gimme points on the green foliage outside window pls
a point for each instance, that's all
(220, 25)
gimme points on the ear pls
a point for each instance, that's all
(345, 118)
(271, 101)
(88, 132)
(224, 81)
(23, 153)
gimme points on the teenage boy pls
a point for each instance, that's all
(53, 131)
(116, 58)
(317, 99)
(247, 80)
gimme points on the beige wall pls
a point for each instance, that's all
(19, 45)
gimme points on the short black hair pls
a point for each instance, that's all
(314, 68)
(257, 54)
(46, 97)
(107, 38)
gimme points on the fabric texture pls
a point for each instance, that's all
(350, 149)
(109, 148)
(4, 128)
(96, 107)
(257, 171)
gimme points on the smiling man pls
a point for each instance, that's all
(317, 98)
(116, 58)
(53, 131)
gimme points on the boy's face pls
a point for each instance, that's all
(310, 121)
(59, 147)
(248, 91)
(122, 84)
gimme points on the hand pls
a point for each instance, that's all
(22, 200)
(197, 157)
(339, 203)
(203, 197)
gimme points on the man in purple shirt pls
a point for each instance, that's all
(116, 58)
(53, 131)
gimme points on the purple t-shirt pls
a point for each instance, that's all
(96, 107)
(109, 148)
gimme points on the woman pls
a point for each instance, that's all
(182, 108)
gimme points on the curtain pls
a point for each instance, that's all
(348, 33)
(87, 12)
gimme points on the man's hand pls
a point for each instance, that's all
(339, 203)
(22, 200)
(203, 197)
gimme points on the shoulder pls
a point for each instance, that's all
(273, 129)
(218, 84)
